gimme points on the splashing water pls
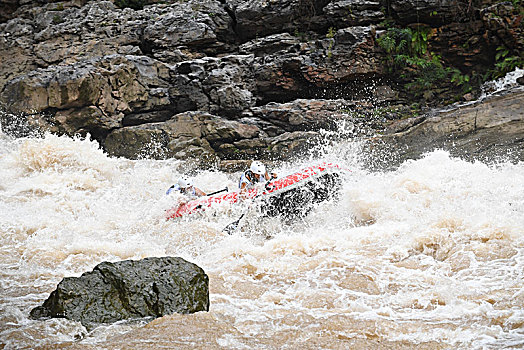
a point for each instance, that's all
(428, 255)
(502, 84)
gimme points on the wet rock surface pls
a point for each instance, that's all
(491, 130)
(152, 287)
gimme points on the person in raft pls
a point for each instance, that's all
(186, 187)
(255, 174)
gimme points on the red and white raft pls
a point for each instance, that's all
(292, 195)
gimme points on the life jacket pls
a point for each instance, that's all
(249, 179)
(191, 193)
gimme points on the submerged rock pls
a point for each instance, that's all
(129, 289)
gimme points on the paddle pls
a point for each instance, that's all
(217, 192)
(229, 229)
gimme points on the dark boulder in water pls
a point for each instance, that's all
(129, 289)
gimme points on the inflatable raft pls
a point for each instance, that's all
(289, 196)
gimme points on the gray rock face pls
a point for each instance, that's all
(345, 13)
(8, 8)
(93, 95)
(274, 131)
(185, 135)
(129, 289)
(58, 33)
(224, 85)
(493, 129)
(430, 11)
(320, 68)
(257, 18)
(504, 23)
(201, 26)
(304, 115)
(131, 78)
(261, 18)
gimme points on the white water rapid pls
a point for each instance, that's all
(430, 255)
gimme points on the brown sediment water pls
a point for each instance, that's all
(427, 256)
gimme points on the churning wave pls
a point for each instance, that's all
(431, 252)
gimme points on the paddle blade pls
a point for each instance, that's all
(232, 227)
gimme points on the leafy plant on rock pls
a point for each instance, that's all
(505, 62)
(395, 42)
(460, 79)
(407, 55)
(331, 35)
(58, 19)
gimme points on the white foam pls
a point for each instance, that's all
(435, 245)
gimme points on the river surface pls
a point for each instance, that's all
(428, 255)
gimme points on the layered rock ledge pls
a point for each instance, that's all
(230, 80)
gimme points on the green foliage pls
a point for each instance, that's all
(517, 5)
(414, 110)
(387, 23)
(407, 55)
(505, 62)
(57, 19)
(460, 80)
(398, 41)
(134, 4)
(509, 63)
(457, 77)
(397, 45)
(303, 37)
(395, 42)
(419, 40)
(330, 35)
(428, 73)
(501, 53)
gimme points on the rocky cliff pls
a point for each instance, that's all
(228, 80)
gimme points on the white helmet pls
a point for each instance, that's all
(185, 182)
(257, 168)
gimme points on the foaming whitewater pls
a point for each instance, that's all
(507, 82)
(428, 255)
